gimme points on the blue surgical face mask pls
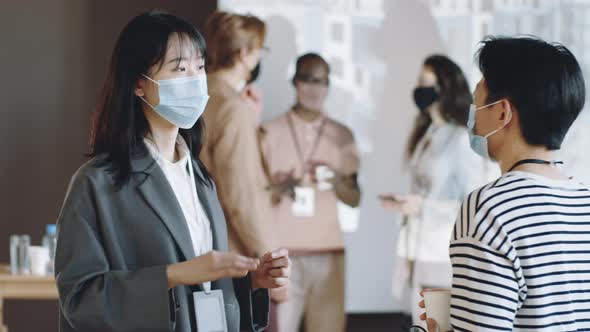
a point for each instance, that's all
(479, 144)
(182, 100)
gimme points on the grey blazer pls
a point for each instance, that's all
(113, 248)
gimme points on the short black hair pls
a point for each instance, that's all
(309, 58)
(542, 80)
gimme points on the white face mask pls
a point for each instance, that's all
(182, 100)
(479, 144)
(312, 96)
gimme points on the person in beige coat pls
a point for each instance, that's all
(231, 153)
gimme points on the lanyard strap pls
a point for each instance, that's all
(298, 146)
(535, 161)
(208, 236)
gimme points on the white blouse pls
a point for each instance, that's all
(181, 179)
(443, 170)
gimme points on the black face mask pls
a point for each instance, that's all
(254, 73)
(425, 97)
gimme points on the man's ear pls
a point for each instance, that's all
(507, 110)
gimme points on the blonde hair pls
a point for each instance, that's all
(227, 34)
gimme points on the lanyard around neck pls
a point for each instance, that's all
(534, 161)
(298, 148)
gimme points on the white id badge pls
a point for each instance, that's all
(304, 204)
(210, 311)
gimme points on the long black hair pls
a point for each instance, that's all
(119, 124)
(454, 99)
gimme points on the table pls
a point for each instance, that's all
(21, 287)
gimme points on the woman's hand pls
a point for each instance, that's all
(274, 272)
(212, 266)
(280, 295)
(408, 205)
(253, 96)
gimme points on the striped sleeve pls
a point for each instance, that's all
(486, 291)
(488, 284)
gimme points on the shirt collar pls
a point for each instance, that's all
(308, 125)
(181, 148)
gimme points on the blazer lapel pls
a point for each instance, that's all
(158, 194)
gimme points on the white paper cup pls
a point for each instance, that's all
(438, 307)
(323, 175)
(39, 258)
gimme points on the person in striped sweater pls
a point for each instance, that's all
(520, 248)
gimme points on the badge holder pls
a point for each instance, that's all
(304, 204)
(210, 311)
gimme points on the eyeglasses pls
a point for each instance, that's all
(312, 80)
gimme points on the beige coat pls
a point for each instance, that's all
(232, 155)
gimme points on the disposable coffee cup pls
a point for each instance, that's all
(39, 258)
(438, 307)
(323, 175)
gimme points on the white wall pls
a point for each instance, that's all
(376, 48)
(463, 23)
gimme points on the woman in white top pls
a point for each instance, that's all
(443, 169)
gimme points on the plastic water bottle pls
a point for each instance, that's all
(50, 242)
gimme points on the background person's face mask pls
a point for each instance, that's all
(312, 93)
(182, 100)
(254, 73)
(479, 144)
(424, 97)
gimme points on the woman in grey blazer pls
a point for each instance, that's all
(141, 234)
